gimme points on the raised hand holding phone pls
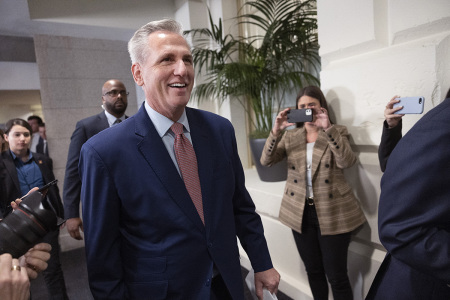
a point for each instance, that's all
(411, 105)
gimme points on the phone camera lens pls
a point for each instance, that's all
(420, 100)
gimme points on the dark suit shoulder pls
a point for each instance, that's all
(92, 119)
(42, 157)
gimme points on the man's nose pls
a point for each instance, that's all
(180, 68)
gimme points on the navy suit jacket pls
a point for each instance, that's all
(84, 130)
(10, 186)
(414, 213)
(144, 237)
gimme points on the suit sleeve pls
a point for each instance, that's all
(101, 216)
(72, 183)
(274, 150)
(249, 226)
(414, 208)
(389, 139)
(339, 144)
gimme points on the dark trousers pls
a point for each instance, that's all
(53, 275)
(219, 290)
(324, 257)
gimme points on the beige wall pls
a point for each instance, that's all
(371, 50)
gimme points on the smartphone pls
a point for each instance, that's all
(300, 115)
(411, 105)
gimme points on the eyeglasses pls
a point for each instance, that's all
(115, 93)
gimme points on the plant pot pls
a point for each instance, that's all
(277, 172)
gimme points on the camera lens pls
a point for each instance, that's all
(25, 226)
(420, 100)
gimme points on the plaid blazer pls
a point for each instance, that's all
(337, 208)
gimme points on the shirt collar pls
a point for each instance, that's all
(112, 119)
(162, 123)
(30, 156)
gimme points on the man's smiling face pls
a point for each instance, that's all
(167, 75)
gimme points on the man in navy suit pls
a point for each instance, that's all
(145, 238)
(414, 213)
(114, 103)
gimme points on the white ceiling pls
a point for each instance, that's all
(106, 19)
(129, 14)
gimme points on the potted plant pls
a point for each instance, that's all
(259, 69)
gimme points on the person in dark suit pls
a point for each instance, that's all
(413, 214)
(145, 236)
(392, 131)
(38, 142)
(21, 170)
(114, 102)
(42, 146)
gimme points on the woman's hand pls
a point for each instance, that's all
(15, 204)
(281, 122)
(321, 118)
(392, 119)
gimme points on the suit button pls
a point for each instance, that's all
(208, 282)
(327, 166)
(209, 245)
(273, 141)
(327, 181)
(330, 195)
(293, 167)
(329, 135)
(337, 147)
(332, 140)
(292, 194)
(334, 143)
(295, 180)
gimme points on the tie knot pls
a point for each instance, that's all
(177, 128)
(117, 121)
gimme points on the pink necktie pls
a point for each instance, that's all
(187, 162)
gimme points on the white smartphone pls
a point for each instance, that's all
(411, 105)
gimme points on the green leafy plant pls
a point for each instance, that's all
(259, 69)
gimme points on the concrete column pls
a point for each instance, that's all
(72, 72)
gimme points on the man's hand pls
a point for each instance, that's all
(268, 279)
(35, 260)
(74, 225)
(14, 282)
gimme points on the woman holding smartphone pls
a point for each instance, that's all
(318, 204)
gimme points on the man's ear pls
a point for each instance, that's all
(137, 74)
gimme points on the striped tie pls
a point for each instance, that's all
(187, 162)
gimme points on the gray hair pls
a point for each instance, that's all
(138, 43)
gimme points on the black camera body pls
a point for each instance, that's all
(30, 222)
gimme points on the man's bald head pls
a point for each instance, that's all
(114, 97)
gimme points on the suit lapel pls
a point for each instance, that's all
(103, 121)
(11, 169)
(319, 149)
(155, 153)
(38, 160)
